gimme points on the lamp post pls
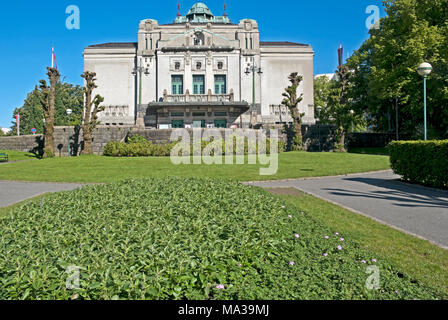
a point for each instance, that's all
(319, 110)
(352, 112)
(254, 68)
(69, 112)
(425, 70)
(140, 69)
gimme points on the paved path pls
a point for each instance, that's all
(12, 192)
(416, 210)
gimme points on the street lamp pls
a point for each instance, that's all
(352, 112)
(425, 70)
(69, 112)
(140, 69)
(254, 68)
(319, 110)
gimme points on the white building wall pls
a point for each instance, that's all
(277, 67)
(113, 68)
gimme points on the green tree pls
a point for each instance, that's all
(31, 112)
(292, 100)
(334, 105)
(414, 31)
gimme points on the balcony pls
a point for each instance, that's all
(197, 98)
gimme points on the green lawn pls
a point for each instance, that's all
(104, 169)
(379, 151)
(18, 156)
(426, 262)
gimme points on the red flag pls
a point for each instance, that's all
(18, 124)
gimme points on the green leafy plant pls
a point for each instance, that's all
(423, 162)
(175, 238)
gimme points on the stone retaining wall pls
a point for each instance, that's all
(315, 138)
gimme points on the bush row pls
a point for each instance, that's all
(138, 146)
(423, 162)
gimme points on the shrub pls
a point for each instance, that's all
(138, 146)
(136, 139)
(423, 162)
(175, 238)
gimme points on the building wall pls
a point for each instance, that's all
(278, 63)
(238, 45)
(116, 83)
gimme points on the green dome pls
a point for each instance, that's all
(199, 9)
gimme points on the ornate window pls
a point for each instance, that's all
(198, 65)
(177, 84)
(177, 65)
(198, 84)
(220, 65)
(220, 84)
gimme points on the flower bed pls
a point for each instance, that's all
(175, 238)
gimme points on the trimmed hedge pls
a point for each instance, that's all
(138, 146)
(423, 162)
(174, 238)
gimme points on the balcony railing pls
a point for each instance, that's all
(192, 98)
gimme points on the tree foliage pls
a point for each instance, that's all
(292, 100)
(32, 115)
(384, 68)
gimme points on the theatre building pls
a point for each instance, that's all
(201, 70)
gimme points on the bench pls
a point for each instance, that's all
(3, 157)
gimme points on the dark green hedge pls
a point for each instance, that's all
(423, 162)
(138, 146)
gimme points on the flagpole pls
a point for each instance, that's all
(52, 57)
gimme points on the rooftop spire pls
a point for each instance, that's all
(225, 9)
(178, 9)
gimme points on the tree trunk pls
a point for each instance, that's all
(54, 76)
(87, 135)
(298, 137)
(341, 141)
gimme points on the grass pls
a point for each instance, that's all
(18, 156)
(426, 262)
(377, 151)
(105, 169)
(177, 238)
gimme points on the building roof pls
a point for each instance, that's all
(111, 45)
(200, 13)
(282, 44)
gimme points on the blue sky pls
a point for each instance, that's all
(30, 28)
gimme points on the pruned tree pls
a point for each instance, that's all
(292, 100)
(47, 100)
(91, 109)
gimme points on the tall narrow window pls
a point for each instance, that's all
(198, 84)
(247, 46)
(220, 84)
(251, 43)
(177, 84)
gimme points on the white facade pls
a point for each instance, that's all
(199, 69)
